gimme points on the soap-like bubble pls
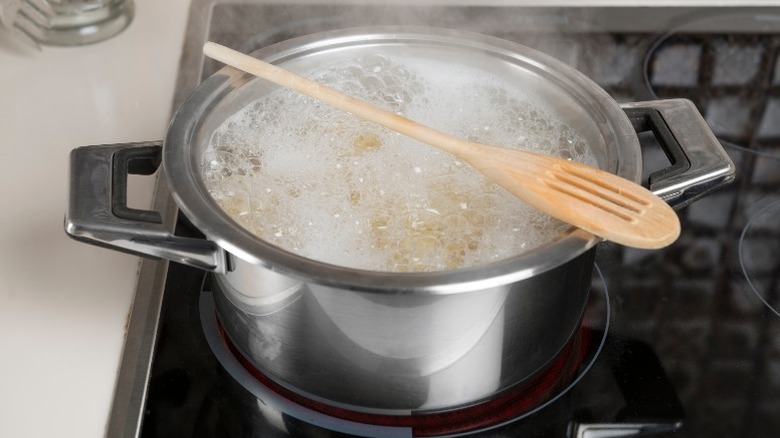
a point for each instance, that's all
(322, 183)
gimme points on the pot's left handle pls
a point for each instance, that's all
(98, 213)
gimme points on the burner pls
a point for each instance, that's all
(509, 406)
(759, 252)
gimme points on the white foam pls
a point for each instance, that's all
(319, 182)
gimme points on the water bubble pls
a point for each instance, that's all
(371, 83)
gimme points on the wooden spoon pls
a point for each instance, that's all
(597, 201)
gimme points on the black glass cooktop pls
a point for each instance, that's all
(692, 346)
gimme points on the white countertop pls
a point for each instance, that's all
(64, 304)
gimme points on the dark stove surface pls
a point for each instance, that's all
(697, 322)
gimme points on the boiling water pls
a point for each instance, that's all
(326, 185)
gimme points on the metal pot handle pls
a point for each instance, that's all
(98, 213)
(699, 162)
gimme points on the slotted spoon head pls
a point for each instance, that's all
(597, 201)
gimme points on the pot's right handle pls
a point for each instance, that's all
(699, 162)
(98, 212)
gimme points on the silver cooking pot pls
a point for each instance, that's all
(379, 341)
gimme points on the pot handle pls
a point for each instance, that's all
(98, 213)
(699, 164)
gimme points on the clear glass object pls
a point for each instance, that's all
(77, 22)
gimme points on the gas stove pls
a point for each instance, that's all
(677, 342)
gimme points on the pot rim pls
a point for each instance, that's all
(190, 193)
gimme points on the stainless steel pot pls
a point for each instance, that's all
(378, 341)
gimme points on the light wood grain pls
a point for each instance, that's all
(594, 200)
